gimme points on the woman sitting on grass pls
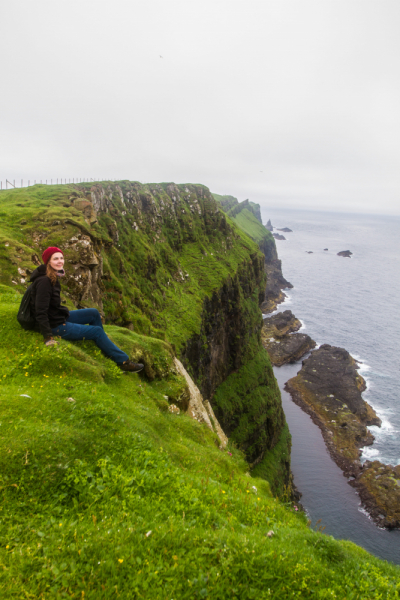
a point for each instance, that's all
(52, 319)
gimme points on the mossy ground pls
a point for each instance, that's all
(105, 494)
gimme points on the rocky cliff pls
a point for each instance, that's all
(163, 260)
(247, 216)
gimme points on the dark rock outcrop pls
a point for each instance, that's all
(325, 249)
(328, 388)
(333, 384)
(280, 341)
(345, 253)
(278, 236)
(282, 323)
(379, 488)
(286, 230)
(269, 225)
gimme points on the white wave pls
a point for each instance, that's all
(386, 424)
(369, 384)
(382, 413)
(369, 453)
(364, 512)
(363, 365)
(303, 324)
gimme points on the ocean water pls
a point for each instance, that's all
(352, 303)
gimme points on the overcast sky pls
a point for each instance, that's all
(292, 103)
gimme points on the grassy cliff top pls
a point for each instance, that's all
(247, 217)
(104, 493)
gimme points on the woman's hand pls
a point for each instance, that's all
(50, 342)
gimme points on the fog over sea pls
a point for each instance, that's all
(352, 303)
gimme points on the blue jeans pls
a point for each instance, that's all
(85, 324)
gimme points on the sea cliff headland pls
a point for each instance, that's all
(104, 489)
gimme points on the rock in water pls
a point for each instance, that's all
(280, 341)
(286, 230)
(278, 236)
(328, 388)
(329, 381)
(269, 225)
(345, 253)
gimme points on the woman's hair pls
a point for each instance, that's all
(51, 273)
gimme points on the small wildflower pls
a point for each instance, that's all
(7, 546)
(230, 453)
(120, 560)
(223, 492)
(148, 533)
(295, 508)
(258, 498)
(60, 525)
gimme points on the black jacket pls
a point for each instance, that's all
(47, 302)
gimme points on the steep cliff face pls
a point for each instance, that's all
(162, 260)
(230, 328)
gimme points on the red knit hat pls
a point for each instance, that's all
(48, 253)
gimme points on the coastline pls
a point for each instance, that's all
(377, 484)
(328, 388)
(327, 498)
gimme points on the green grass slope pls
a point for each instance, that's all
(164, 261)
(246, 220)
(105, 494)
(246, 215)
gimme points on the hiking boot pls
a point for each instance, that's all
(128, 365)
